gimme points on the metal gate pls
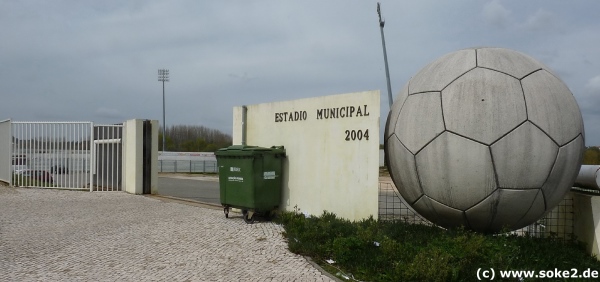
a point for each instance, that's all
(107, 152)
(66, 155)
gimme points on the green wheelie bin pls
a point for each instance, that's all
(250, 179)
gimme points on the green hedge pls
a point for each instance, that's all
(372, 250)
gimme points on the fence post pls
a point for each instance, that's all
(92, 150)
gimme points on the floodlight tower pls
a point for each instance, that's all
(387, 70)
(163, 75)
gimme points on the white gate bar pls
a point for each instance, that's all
(55, 153)
(92, 162)
(108, 141)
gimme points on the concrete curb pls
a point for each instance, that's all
(319, 268)
(186, 201)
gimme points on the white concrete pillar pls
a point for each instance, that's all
(133, 165)
(586, 221)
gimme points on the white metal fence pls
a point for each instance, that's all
(188, 166)
(67, 155)
(559, 222)
(187, 162)
(107, 150)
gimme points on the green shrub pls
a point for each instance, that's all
(394, 251)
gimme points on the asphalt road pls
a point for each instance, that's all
(206, 190)
(198, 189)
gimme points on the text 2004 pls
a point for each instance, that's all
(353, 135)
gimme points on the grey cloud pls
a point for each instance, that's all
(97, 60)
(103, 112)
(541, 20)
(494, 13)
(593, 84)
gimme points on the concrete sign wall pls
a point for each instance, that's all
(332, 146)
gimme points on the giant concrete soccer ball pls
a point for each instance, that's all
(486, 138)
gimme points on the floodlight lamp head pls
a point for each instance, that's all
(163, 75)
(381, 22)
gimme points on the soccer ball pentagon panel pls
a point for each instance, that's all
(485, 138)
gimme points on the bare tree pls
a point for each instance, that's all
(194, 138)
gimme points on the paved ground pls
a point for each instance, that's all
(53, 235)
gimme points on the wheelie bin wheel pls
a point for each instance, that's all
(248, 218)
(226, 212)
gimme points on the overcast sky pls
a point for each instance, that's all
(98, 60)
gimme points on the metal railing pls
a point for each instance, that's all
(188, 166)
(393, 207)
(66, 155)
(51, 154)
(107, 150)
(557, 223)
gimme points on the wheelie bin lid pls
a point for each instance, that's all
(245, 150)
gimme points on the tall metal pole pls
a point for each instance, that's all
(164, 121)
(387, 70)
(163, 75)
